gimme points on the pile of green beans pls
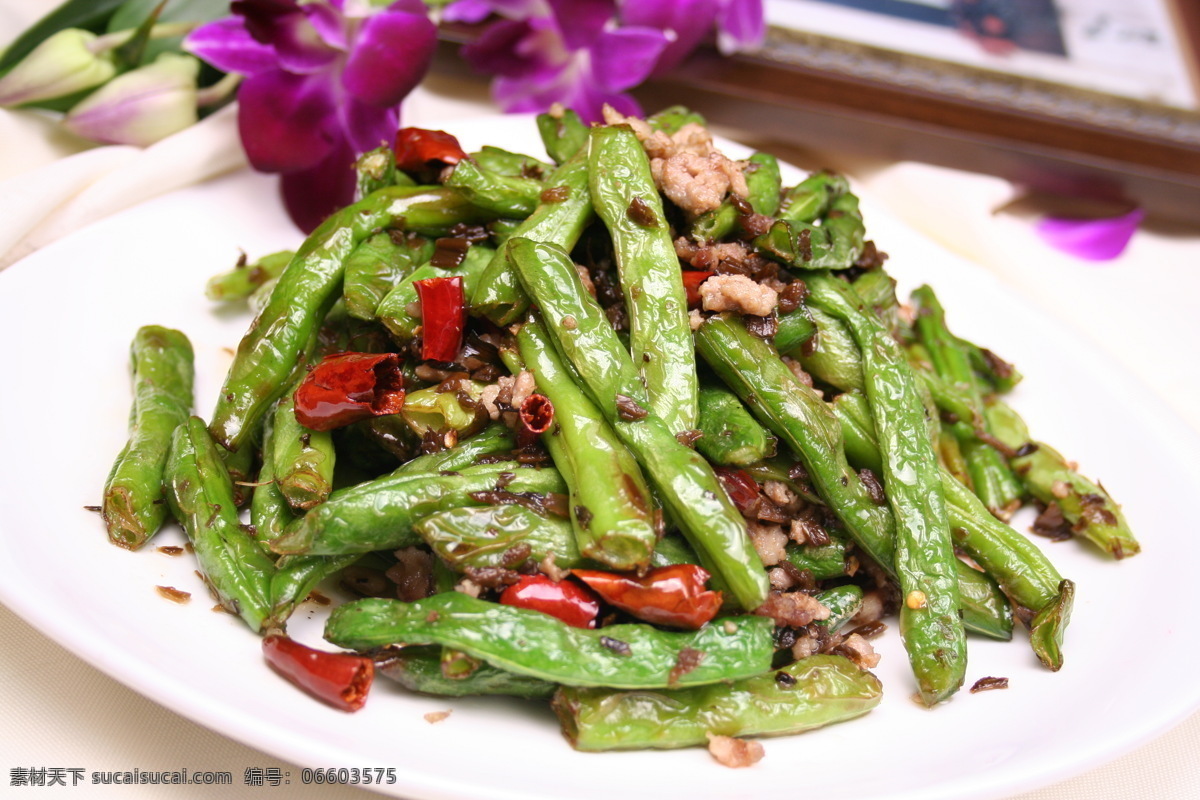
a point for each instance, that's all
(879, 440)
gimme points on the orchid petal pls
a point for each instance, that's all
(581, 21)
(310, 195)
(366, 126)
(228, 46)
(284, 26)
(390, 57)
(1091, 239)
(283, 120)
(741, 25)
(513, 49)
(623, 58)
(469, 11)
(328, 23)
(686, 23)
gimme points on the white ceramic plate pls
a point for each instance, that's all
(68, 313)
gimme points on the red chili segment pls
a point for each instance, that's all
(418, 148)
(741, 488)
(566, 600)
(537, 413)
(691, 284)
(672, 595)
(443, 314)
(340, 679)
(347, 387)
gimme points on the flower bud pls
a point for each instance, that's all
(142, 106)
(61, 65)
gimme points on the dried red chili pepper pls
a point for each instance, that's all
(419, 148)
(672, 595)
(537, 413)
(692, 278)
(741, 488)
(442, 317)
(566, 600)
(347, 387)
(340, 679)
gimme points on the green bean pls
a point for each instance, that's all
(303, 459)
(835, 244)
(625, 198)
(399, 310)
(796, 333)
(802, 421)
(1017, 565)
(563, 134)
(503, 195)
(730, 434)
(762, 183)
(244, 279)
(429, 410)
(276, 342)
(1051, 479)
(379, 514)
(991, 478)
(843, 603)
(612, 511)
(295, 578)
(201, 498)
(565, 210)
(419, 669)
(492, 440)
(498, 536)
(513, 165)
(621, 656)
(686, 483)
(929, 618)
(832, 356)
(133, 506)
(813, 197)
(376, 266)
(1019, 568)
(374, 170)
(799, 417)
(672, 119)
(818, 690)
(270, 511)
(824, 561)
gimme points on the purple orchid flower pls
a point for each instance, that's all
(1091, 239)
(566, 51)
(585, 53)
(323, 84)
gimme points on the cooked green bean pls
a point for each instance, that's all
(729, 433)
(611, 508)
(686, 483)
(498, 536)
(302, 459)
(377, 265)
(810, 693)
(276, 343)
(379, 514)
(201, 498)
(419, 669)
(929, 617)
(626, 199)
(630, 656)
(134, 507)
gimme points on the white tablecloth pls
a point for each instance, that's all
(59, 712)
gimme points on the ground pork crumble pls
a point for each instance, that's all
(739, 294)
(685, 165)
(731, 752)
